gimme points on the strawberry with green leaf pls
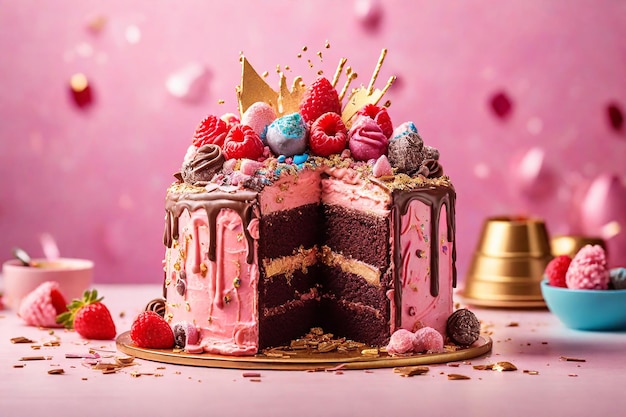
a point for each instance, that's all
(89, 317)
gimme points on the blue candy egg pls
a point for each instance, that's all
(287, 135)
(300, 159)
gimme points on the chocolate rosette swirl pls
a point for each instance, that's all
(157, 305)
(207, 161)
(431, 168)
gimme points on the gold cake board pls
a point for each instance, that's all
(300, 361)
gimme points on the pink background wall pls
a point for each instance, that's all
(94, 177)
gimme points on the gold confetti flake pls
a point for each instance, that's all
(457, 377)
(568, 359)
(21, 339)
(498, 366)
(408, 371)
(504, 367)
(56, 371)
(124, 360)
(370, 352)
(36, 358)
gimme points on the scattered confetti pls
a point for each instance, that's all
(56, 371)
(457, 377)
(21, 339)
(498, 366)
(369, 13)
(251, 375)
(81, 91)
(36, 358)
(501, 104)
(408, 371)
(568, 359)
(189, 83)
(616, 116)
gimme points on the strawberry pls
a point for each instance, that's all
(556, 269)
(150, 330)
(318, 99)
(89, 317)
(210, 130)
(42, 305)
(380, 116)
(328, 135)
(242, 142)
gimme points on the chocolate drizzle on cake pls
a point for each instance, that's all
(435, 198)
(212, 203)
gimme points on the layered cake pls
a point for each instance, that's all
(307, 209)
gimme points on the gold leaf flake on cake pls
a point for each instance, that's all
(253, 88)
(366, 95)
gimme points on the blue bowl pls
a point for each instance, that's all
(586, 309)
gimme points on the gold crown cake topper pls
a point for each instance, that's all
(253, 88)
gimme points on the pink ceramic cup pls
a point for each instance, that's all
(73, 275)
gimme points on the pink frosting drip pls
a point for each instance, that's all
(419, 308)
(222, 302)
(366, 139)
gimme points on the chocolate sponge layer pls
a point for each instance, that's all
(352, 288)
(280, 325)
(357, 235)
(279, 289)
(353, 321)
(283, 232)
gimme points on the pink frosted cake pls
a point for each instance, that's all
(304, 212)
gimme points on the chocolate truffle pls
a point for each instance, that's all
(463, 327)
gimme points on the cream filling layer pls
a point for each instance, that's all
(370, 274)
(287, 265)
(304, 258)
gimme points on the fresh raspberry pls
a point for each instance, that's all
(380, 116)
(150, 330)
(556, 270)
(318, 99)
(242, 142)
(210, 130)
(588, 270)
(328, 135)
(89, 317)
(230, 119)
(43, 305)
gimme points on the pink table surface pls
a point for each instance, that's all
(532, 340)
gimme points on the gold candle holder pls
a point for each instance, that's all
(508, 264)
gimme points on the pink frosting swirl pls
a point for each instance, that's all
(366, 139)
